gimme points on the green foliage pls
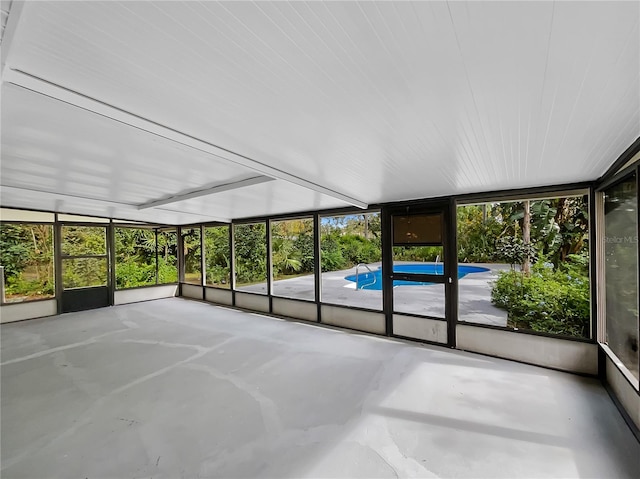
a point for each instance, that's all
(26, 252)
(192, 254)
(135, 257)
(251, 253)
(549, 300)
(331, 256)
(348, 240)
(15, 249)
(217, 256)
(514, 251)
(478, 229)
(417, 253)
(357, 249)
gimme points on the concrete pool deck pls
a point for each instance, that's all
(474, 304)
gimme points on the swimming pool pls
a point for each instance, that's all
(373, 280)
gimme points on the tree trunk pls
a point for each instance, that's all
(526, 237)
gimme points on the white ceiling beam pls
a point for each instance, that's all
(205, 191)
(79, 100)
(106, 203)
(10, 29)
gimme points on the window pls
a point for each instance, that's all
(217, 253)
(26, 255)
(84, 256)
(350, 245)
(621, 271)
(292, 258)
(167, 256)
(251, 257)
(525, 265)
(192, 255)
(135, 257)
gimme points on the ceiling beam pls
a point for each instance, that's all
(57, 92)
(10, 29)
(106, 203)
(205, 191)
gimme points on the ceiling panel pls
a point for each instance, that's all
(381, 101)
(51, 147)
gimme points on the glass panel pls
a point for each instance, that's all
(167, 257)
(419, 229)
(621, 271)
(251, 257)
(525, 264)
(135, 257)
(84, 240)
(26, 254)
(350, 246)
(292, 258)
(425, 299)
(192, 255)
(84, 272)
(217, 253)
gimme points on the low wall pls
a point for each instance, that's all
(28, 310)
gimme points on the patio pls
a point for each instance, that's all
(474, 303)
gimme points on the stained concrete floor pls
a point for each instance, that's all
(178, 388)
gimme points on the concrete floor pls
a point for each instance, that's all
(178, 388)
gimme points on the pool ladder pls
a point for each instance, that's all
(357, 273)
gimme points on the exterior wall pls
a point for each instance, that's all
(420, 328)
(566, 355)
(295, 309)
(628, 396)
(28, 310)
(219, 296)
(368, 321)
(192, 291)
(145, 294)
(254, 302)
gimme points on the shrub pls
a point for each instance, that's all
(548, 300)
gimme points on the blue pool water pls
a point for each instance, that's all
(373, 280)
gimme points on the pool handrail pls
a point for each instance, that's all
(370, 270)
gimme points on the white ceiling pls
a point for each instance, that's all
(343, 103)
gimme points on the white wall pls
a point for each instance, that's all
(420, 328)
(369, 321)
(625, 392)
(28, 310)
(145, 294)
(219, 296)
(573, 356)
(192, 291)
(295, 309)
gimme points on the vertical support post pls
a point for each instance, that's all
(111, 260)
(203, 262)
(57, 265)
(232, 272)
(387, 269)
(595, 260)
(1, 284)
(317, 266)
(269, 264)
(157, 262)
(180, 252)
(638, 250)
(450, 231)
